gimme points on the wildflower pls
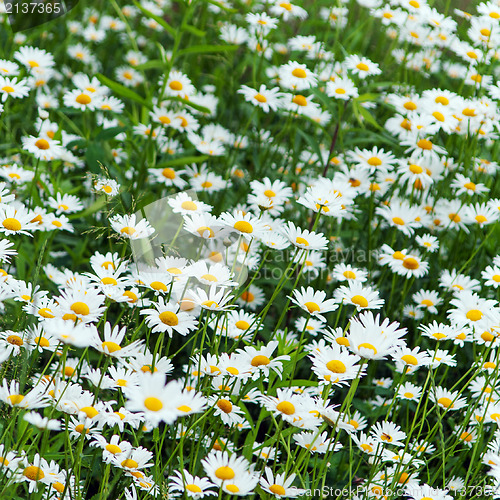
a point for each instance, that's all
(280, 486)
(162, 402)
(266, 99)
(167, 317)
(371, 339)
(313, 302)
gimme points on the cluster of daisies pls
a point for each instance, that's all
(178, 317)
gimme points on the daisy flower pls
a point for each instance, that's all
(401, 215)
(296, 76)
(16, 221)
(280, 486)
(10, 87)
(315, 442)
(342, 88)
(474, 311)
(371, 339)
(193, 486)
(428, 242)
(162, 402)
(167, 317)
(387, 433)
(303, 238)
(491, 274)
(410, 265)
(260, 361)
(481, 214)
(10, 395)
(108, 186)
(264, 98)
(41, 148)
(222, 467)
(372, 160)
(215, 300)
(33, 57)
(359, 295)
(81, 100)
(362, 66)
(289, 406)
(335, 365)
(186, 205)
(128, 227)
(313, 302)
(66, 203)
(427, 300)
(6, 250)
(464, 185)
(247, 225)
(448, 400)
(111, 341)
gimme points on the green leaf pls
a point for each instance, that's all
(182, 161)
(153, 64)
(222, 7)
(198, 107)
(193, 30)
(109, 133)
(93, 154)
(369, 118)
(158, 19)
(95, 207)
(120, 89)
(203, 49)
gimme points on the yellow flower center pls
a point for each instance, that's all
(260, 360)
(300, 100)
(15, 340)
(83, 99)
(374, 161)
(277, 489)
(153, 404)
(224, 473)
(169, 318)
(242, 325)
(11, 224)
(409, 359)
(286, 407)
(359, 300)
(111, 346)
(225, 405)
(336, 366)
(158, 285)
(188, 205)
(424, 144)
(193, 488)
(80, 308)
(299, 73)
(33, 473)
(243, 226)
(42, 144)
(362, 66)
(113, 448)
(129, 463)
(15, 399)
(260, 98)
(175, 85)
(444, 401)
(410, 263)
(474, 315)
(312, 307)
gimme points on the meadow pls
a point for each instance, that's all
(249, 248)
